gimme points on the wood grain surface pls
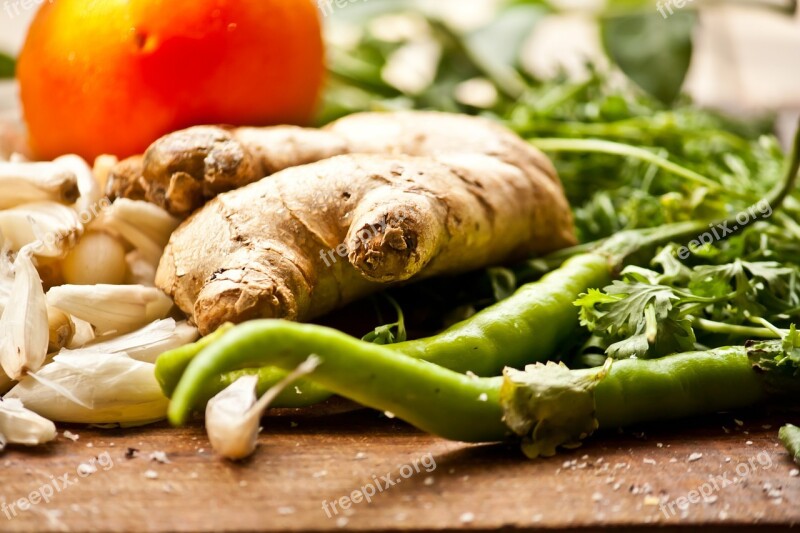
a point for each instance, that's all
(617, 479)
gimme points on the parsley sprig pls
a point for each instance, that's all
(651, 313)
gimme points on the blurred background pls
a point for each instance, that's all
(745, 55)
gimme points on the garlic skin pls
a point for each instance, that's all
(148, 343)
(61, 329)
(140, 270)
(6, 383)
(94, 388)
(24, 324)
(6, 283)
(102, 168)
(111, 309)
(19, 425)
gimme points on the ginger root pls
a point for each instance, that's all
(312, 238)
(183, 170)
(371, 200)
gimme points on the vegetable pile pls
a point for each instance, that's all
(628, 162)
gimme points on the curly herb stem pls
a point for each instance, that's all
(625, 150)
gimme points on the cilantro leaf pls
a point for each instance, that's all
(637, 316)
(589, 307)
(626, 315)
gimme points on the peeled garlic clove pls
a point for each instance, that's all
(233, 434)
(94, 388)
(24, 329)
(97, 258)
(111, 308)
(24, 183)
(52, 229)
(233, 415)
(19, 425)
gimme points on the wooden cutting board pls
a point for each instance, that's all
(617, 479)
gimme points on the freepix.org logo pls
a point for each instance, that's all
(14, 8)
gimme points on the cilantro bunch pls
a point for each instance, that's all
(676, 308)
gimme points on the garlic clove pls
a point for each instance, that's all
(233, 415)
(24, 183)
(24, 326)
(233, 434)
(147, 343)
(19, 425)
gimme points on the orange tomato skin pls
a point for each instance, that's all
(112, 76)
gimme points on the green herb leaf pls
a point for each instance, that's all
(389, 333)
(653, 52)
(627, 314)
(589, 307)
(791, 344)
(674, 270)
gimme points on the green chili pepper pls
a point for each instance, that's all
(546, 405)
(171, 365)
(365, 371)
(530, 325)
